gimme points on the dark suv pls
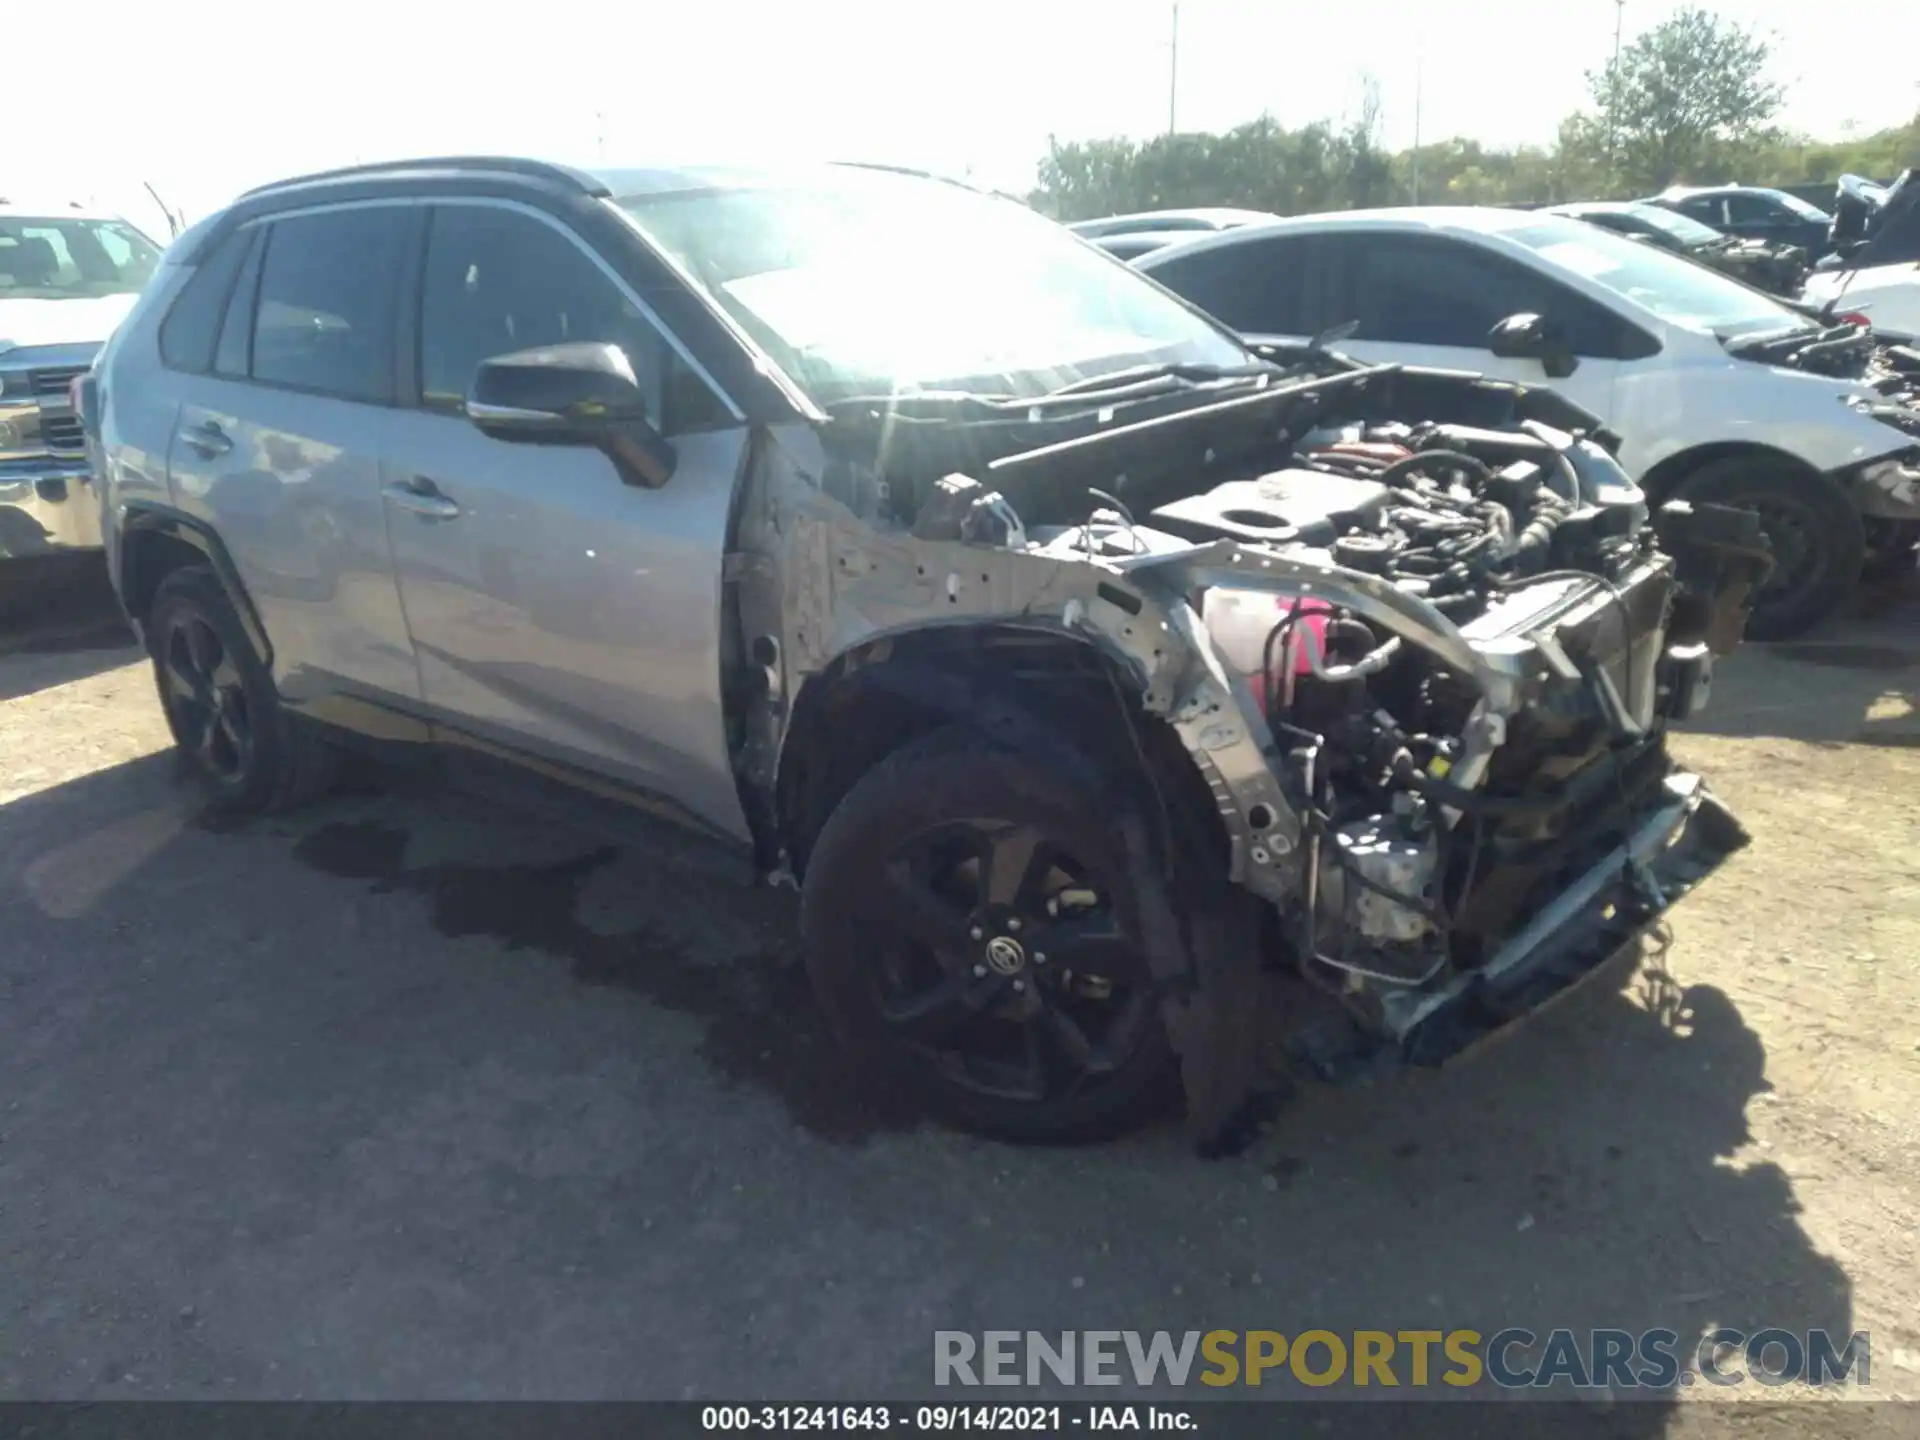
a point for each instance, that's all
(1753, 212)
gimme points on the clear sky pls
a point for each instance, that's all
(205, 97)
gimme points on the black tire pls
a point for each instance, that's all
(242, 749)
(992, 1031)
(1892, 553)
(1818, 538)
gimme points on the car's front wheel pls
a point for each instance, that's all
(235, 739)
(1815, 531)
(971, 928)
(1893, 550)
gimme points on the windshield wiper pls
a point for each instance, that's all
(1138, 381)
(1187, 371)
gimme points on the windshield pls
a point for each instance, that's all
(1688, 232)
(1672, 287)
(61, 258)
(862, 282)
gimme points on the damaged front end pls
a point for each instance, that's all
(1778, 269)
(1416, 631)
(1883, 387)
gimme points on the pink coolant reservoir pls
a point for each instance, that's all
(1240, 621)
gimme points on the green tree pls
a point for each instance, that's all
(1690, 100)
(1684, 100)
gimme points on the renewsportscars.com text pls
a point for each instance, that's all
(1509, 1359)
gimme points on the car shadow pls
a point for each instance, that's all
(353, 1085)
(58, 625)
(1853, 681)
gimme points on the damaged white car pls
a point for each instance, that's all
(1089, 674)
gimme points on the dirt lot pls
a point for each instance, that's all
(411, 1098)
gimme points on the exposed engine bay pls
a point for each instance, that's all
(1888, 377)
(1418, 632)
(1427, 825)
(1766, 265)
(1846, 351)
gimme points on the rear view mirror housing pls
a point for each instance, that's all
(574, 394)
(1527, 336)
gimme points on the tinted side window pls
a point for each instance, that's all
(325, 316)
(497, 281)
(1421, 290)
(1433, 291)
(187, 334)
(1707, 209)
(1256, 287)
(1750, 207)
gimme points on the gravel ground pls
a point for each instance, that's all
(408, 1097)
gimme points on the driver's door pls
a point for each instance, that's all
(554, 609)
(1433, 299)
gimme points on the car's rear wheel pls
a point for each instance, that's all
(235, 739)
(971, 928)
(1815, 530)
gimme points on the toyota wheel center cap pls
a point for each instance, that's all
(1005, 955)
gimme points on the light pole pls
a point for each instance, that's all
(1613, 77)
(1418, 67)
(1173, 74)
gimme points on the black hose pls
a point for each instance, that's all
(1531, 545)
(1279, 629)
(1470, 802)
(1420, 460)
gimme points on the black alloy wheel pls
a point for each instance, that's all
(1800, 551)
(971, 928)
(1013, 972)
(206, 699)
(1814, 529)
(238, 743)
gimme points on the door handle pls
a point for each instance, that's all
(207, 439)
(420, 496)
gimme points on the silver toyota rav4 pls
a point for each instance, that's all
(1095, 678)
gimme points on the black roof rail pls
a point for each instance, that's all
(563, 175)
(915, 172)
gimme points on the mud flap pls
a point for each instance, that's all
(1208, 972)
(1216, 1028)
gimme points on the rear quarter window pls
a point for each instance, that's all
(1253, 286)
(192, 323)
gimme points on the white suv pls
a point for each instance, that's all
(1718, 391)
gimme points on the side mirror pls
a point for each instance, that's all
(574, 394)
(1534, 337)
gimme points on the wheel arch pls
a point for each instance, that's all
(156, 540)
(1663, 479)
(1059, 694)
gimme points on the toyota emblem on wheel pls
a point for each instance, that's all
(1005, 955)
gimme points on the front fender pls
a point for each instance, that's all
(1741, 402)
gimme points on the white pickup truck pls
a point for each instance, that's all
(67, 277)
